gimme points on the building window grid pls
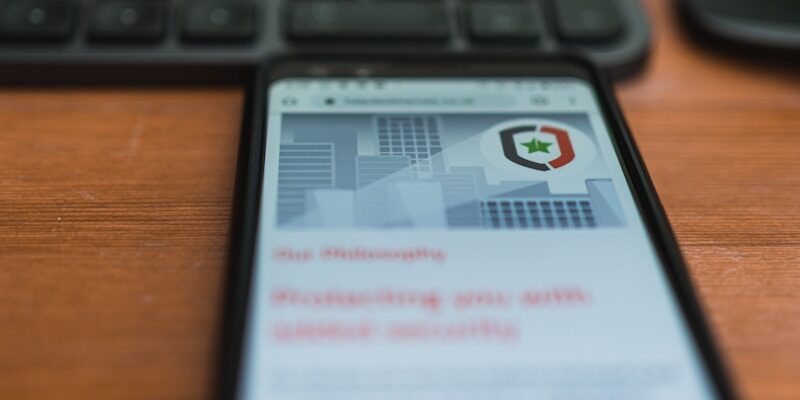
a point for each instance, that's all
(538, 214)
(302, 167)
(312, 158)
(414, 136)
(371, 169)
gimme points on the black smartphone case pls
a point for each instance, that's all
(247, 198)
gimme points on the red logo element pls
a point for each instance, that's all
(512, 151)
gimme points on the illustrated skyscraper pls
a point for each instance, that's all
(302, 167)
(345, 150)
(400, 181)
(460, 195)
(374, 176)
(518, 213)
(599, 207)
(415, 136)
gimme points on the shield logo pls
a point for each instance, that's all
(539, 147)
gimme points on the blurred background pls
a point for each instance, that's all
(119, 130)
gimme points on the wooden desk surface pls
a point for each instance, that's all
(114, 208)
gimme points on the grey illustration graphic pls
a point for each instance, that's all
(426, 171)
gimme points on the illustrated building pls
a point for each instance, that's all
(303, 167)
(415, 136)
(372, 169)
(329, 208)
(605, 202)
(345, 150)
(562, 212)
(598, 208)
(418, 204)
(402, 183)
(374, 176)
(460, 199)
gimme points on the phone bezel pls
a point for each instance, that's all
(251, 163)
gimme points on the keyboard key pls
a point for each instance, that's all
(218, 20)
(133, 20)
(37, 19)
(502, 20)
(410, 19)
(587, 20)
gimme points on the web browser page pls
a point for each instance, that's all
(455, 239)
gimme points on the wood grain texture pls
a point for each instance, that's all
(114, 208)
(115, 205)
(721, 138)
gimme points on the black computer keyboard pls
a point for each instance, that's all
(242, 32)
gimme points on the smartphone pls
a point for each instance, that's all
(454, 228)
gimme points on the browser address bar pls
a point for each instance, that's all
(483, 101)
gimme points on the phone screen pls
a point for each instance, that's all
(455, 238)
